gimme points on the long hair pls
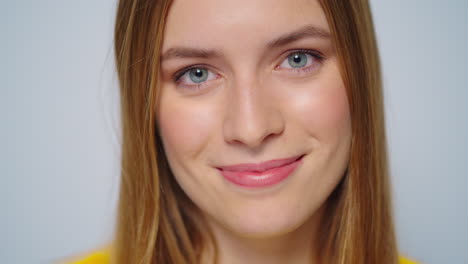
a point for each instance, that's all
(157, 222)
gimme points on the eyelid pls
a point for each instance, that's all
(312, 52)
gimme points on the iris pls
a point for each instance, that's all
(198, 75)
(297, 59)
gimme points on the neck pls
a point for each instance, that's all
(298, 246)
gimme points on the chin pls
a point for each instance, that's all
(266, 221)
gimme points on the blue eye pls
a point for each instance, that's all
(195, 76)
(198, 75)
(299, 60)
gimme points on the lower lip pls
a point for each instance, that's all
(266, 178)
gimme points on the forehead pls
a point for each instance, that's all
(231, 22)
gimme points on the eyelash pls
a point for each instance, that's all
(315, 54)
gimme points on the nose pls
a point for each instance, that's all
(252, 117)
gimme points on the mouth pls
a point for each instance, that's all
(257, 175)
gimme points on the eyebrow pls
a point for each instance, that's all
(185, 52)
(308, 31)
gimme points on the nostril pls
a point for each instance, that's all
(249, 139)
(252, 121)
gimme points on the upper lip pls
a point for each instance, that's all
(260, 167)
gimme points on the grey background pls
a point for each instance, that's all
(59, 152)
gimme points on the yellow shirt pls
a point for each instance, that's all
(103, 258)
(100, 257)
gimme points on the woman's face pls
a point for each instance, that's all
(253, 112)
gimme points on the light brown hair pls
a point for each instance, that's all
(158, 223)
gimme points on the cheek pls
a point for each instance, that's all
(329, 112)
(323, 110)
(185, 127)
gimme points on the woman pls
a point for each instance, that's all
(253, 132)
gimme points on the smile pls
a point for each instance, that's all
(257, 175)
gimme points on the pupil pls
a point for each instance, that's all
(198, 73)
(297, 58)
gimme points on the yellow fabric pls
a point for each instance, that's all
(407, 261)
(103, 258)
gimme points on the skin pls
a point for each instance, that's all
(254, 107)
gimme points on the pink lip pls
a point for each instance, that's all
(260, 174)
